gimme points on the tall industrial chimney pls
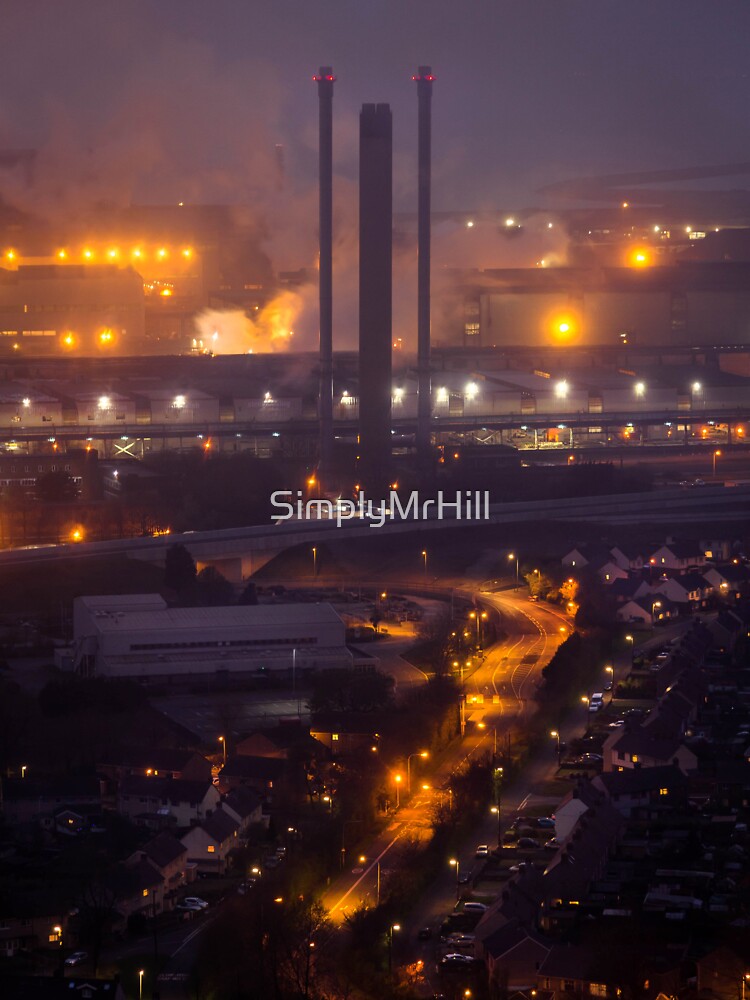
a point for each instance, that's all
(325, 80)
(375, 305)
(424, 79)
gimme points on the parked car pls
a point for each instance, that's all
(456, 959)
(188, 908)
(196, 901)
(482, 851)
(76, 958)
(552, 844)
(546, 822)
(528, 844)
(424, 933)
(472, 907)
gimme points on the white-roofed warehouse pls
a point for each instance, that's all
(141, 638)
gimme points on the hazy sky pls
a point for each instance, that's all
(172, 99)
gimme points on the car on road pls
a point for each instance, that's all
(76, 958)
(188, 908)
(195, 901)
(482, 851)
(591, 758)
(456, 960)
(528, 844)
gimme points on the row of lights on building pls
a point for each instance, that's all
(112, 253)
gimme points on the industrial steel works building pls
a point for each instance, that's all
(140, 637)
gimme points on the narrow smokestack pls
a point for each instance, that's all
(424, 80)
(375, 305)
(325, 81)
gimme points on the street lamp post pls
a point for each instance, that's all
(362, 861)
(654, 604)
(556, 736)
(511, 557)
(631, 640)
(611, 672)
(457, 864)
(223, 747)
(397, 779)
(424, 569)
(716, 454)
(495, 810)
(391, 929)
(140, 984)
(315, 562)
(418, 753)
(294, 670)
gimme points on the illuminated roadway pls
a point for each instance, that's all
(502, 685)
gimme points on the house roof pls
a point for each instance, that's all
(638, 742)
(220, 826)
(566, 961)
(639, 779)
(732, 572)
(163, 849)
(681, 550)
(159, 759)
(172, 790)
(692, 581)
(626, 586)
(263, 768)
(242, 801)
(506, 939)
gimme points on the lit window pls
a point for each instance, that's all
(663, 791)
(634, 758)
(334, 736)
(211, 849)
(145, 892)
(598, 989)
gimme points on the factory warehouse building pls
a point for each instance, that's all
(139, 637)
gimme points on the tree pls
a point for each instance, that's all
(213, 589)
(249, 595)
(179, 569)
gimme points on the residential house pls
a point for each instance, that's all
(608, 571)
(262, 774)
(646, 610)
(287, 742)
(161, 762)
(245, 806)
(728, 626)
(629, 589)
(136, 888)
(643, 792)
(160, 802)
(687, 589)
(681, 557)
(574, 971)
(38, 800)
(636, 748)
(169, 857)
(210, 844)
(729, 580)
(628, 559)
(513, 955)
(573, 806)
(345, 736)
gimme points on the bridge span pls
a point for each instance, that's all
(238, 553)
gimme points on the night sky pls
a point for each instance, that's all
(169, 99)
